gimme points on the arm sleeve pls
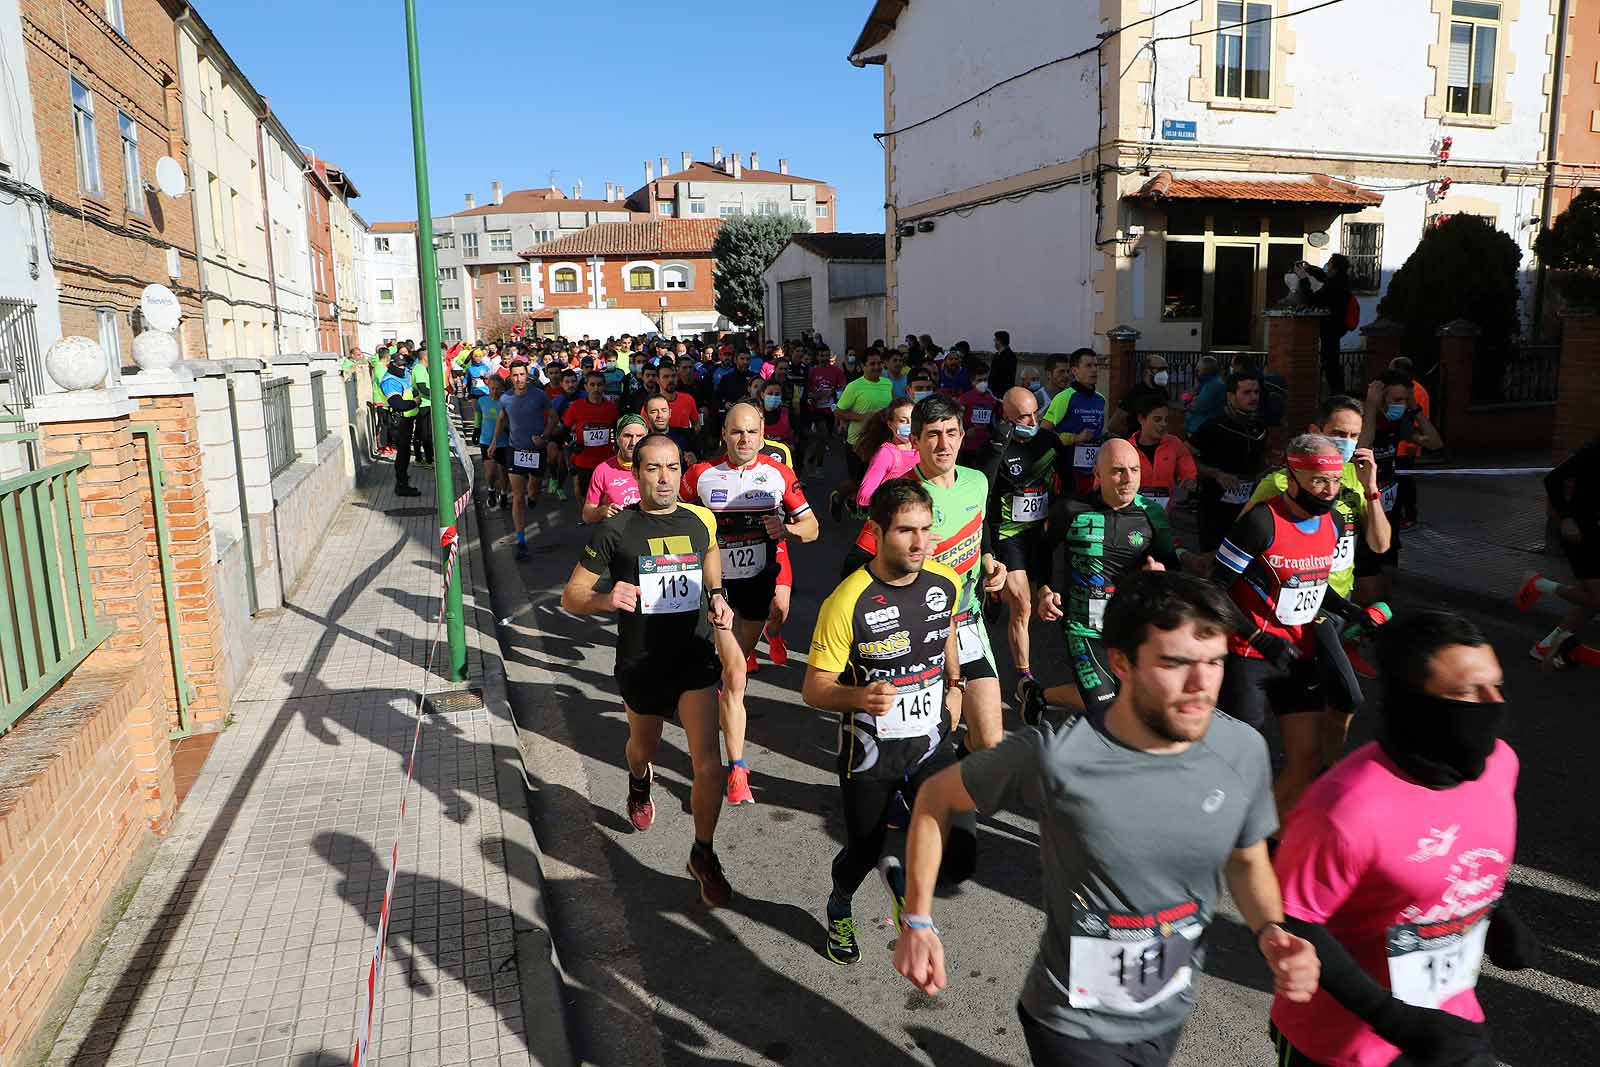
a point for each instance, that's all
(794, 498)
(1162, 546)
(601, 547)
(1006, 777)
(1056, 524)
(688, 489)
(882, 459)
(831, 640)
(1250, 536)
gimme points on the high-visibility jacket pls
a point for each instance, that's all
(392, 385)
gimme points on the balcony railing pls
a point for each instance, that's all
(319, 405)
(281, 453)
(47, 619)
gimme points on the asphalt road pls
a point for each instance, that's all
(656, 978)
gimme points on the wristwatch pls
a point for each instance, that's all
(718, 591)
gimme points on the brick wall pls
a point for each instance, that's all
(103, 243)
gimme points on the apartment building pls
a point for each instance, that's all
(341, 284)
(107, 105)
(288, 247)
(394, 290)
(319, 241)
(725, 187)
(1236, 138)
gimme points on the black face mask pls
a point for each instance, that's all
(1313, 504)
(1080, 387)
(1440, 742)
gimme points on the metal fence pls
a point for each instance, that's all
(19, 349)
(281, 452)
(1531, 374)
(1353, 364)
(319, 405)
(1182, 366)
(47, 619)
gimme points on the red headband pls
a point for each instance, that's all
(1321, 463)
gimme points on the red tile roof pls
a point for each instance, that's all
(1318, 189)
(394, 227)
(653, 237)
(521, 201)
(705, 172)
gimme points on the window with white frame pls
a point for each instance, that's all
(541, 236)
(767, 207)
(529, 304)
(469, 244)
(500, 242)
(132, 183)
(1363, 247)
(822, 211)
(508, 305)
(697, 207)
(110, 336)
(444, 240)
(564, 280)
(386, 290)
(450, 303)
(641, 277)
(665, 208)
(674, 276)
(452, 333)
(503, 275)
(114, 16)
(728, 211)
(380, 244)
(1474, 38)
(525, 273)
(447, 274)
(83, 133)
(1244, 51)
(797, 210)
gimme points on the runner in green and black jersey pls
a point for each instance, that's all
(884, 657)
(1108, 535)
(1020, 467)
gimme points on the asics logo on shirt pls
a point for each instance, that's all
(1213, 801)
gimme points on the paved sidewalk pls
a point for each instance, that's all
(247, 939)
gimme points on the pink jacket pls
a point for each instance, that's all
(890, 461)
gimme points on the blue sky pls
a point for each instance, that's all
(517, 88)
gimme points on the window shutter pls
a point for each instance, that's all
(1460, 52)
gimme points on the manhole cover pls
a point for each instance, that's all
(410, 513)
(458, 701)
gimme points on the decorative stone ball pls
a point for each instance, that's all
(76, 363)
(156, 352)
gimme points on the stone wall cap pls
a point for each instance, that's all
(1290, 311)
(1122, 333)
(152, 386)
(1460, 328)
(1382, 328)
(204, 368)
(291, 359)
(82, 405)
(236, 366)
(323, 357)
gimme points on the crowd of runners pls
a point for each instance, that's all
(978, 495)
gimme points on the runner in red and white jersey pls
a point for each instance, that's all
(758, 503)
(1275, 564)
(1394, 864)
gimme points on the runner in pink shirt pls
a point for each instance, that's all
(1393, 864)
(613, 487)
(886, 446)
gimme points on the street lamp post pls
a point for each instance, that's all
(428, 267)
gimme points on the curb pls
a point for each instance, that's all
(541, 978)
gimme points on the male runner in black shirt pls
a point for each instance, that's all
(1230, 452)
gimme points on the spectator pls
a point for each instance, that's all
(1330, 290)
(1408, 451)
(1150, 389)
(1210, 396)
(1003, 369)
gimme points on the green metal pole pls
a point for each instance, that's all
(428, 267)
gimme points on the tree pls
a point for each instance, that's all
(746, 245)
(1463, 268)
(1571, 247)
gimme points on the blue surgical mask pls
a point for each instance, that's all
(1346, 447)
(919, 395)
(1023, 431)
(771, 402)
(902, 430)
(1394, 412)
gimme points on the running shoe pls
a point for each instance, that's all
(739, 786)
(750, 664)
(641, 809)
(407, 490)
(549, 485)
(386, 451)
(1030, 701)
(707, 870)
(836, 512)
(894, 881)
(842, 947)
(561, 492)
(1541, 649)
(777, 651)
(1528, 595)
(521, 552)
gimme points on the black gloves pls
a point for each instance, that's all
(1276, 650)
(1433, 1038)
(400, 404)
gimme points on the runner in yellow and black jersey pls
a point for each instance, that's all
(884, 658)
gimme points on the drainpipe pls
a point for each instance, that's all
(266, 222)
(179, 24)
(1557, 73)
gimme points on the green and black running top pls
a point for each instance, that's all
(664, 555)
(869, 631)
(960, 537)
(1021, 477)
(1103, 543)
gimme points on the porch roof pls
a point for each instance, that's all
(1316, 189)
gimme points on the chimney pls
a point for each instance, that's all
(738, 169)
(611, 192)
(498, 191)
(783, 166)
(577, 189)
(716, 155)
(472, 201)
(665, 170)
(649, 171)
(688, 160)
(755, 161)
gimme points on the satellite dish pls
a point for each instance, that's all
(161, 308)
(1319, 239)
(170, 178)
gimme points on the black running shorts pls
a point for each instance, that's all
(751, 598)
(1014, 551)
(653, 686)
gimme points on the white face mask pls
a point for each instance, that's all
(982, 387)
(1159, 377)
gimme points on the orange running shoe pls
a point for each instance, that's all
(1528, 595)
(777, 651)
(750, 665)
(641, 809)
(739, 786)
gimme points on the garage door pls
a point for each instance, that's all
(795, 298)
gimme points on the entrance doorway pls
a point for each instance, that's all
(1233, 297)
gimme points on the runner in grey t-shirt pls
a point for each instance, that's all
(1142, 811)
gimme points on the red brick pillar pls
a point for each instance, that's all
(1294, 346)
(169, 406)
(127, 590)
(1123, 369)
(1458, 344)
(1578, 387)
(1384, 338)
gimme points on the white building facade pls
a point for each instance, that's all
(831, 284)
(283, 168)
(1236, 138)
(394, 291)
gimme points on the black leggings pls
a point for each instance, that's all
(866, 813)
